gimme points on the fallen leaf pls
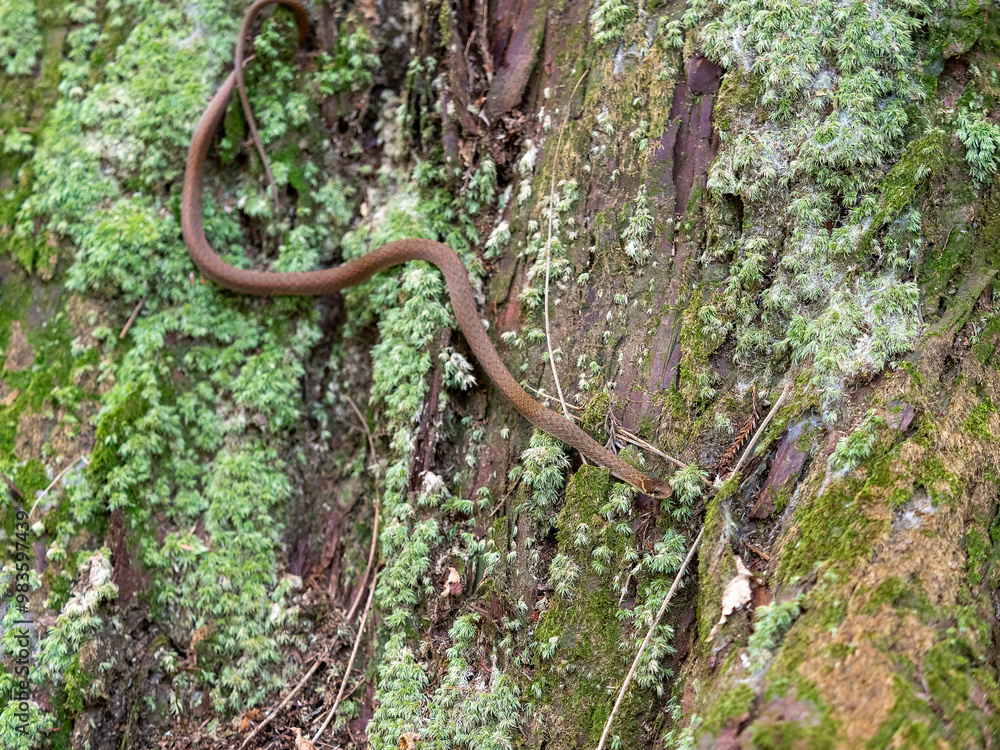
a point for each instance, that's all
(466, 149)
(735, 595)
(250, 718)
(302, 743)
(408, 741)
(452, 586)
(11, 397)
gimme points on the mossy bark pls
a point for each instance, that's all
(874, 509)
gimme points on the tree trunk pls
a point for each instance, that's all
(757, 241)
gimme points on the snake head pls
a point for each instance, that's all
(657, 489)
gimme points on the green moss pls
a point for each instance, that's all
(977, 423)
(596, 412)
(699, 340)
(710, 581)
(15, 298)
(913, 371)
(588, 632)
(110, 431)
(792, 735)
(732, 703)
(959, 689)
(898, 594)
(941, 485)
(31, 477)
(922, 160)
(978, 550)
(737, 93)
(844, 522)
(988, 340)
(77, 684)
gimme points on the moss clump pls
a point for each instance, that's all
(731, 703)
(899, 595)
(843, 523)
(792, 735)
(977, 423)
(596, 411)
(76, 687)
(711, 579)
(702, 333)
(959, 688)
(110, 430)
(31, 477)
(588, 633)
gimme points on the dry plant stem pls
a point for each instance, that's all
(639, 442)
(276, 711)
(630, 437)
(368, 567)
(13, 487)
(649, 636)
(545, 395)
(52, 484)
(378, 506)
(364, 424)
(303, 21)
(548, 247)
(760, 431)
(350, 663)
(131, 318)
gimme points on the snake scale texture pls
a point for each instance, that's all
(330, 280)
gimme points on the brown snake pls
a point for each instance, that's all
(326, 281)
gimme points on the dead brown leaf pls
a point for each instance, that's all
(452, 586)
(248, 719)
(302, 743)
(408, 741)
(735, 595)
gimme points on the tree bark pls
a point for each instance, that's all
(729, 205)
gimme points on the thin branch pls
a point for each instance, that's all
(543, 394)
(548, 244)
(131, 318)
(276, 711)
(52, 484)
(757, 551)
(13, 487)
(364, 424)
(638, 441)
(350, 663)
(760, 430)
(649, 636)
(368, 567)
(378, 505)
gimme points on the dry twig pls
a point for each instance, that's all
(350, 662)
(52, 484)
(378, 506)
(548, 245)
(760, 430)
(364, 424)
(276, 711)
(131, 318)
(368, 567)
(649, 636)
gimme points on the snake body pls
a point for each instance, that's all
(326, 281)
